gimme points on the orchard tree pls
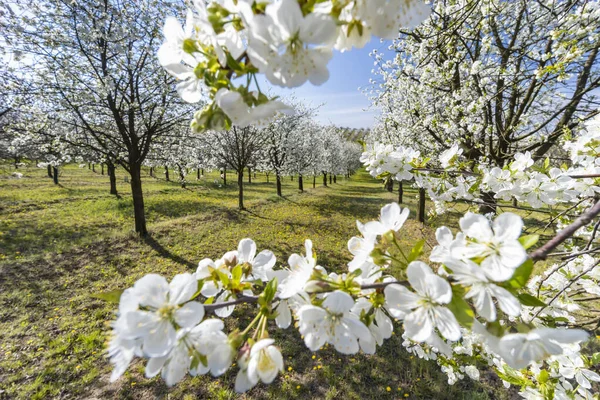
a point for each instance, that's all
(93, 66)
(498, 77)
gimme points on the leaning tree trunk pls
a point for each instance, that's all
(400, 192)
(324, 178)
(300, 183)
(421, 210)
(112, 177)
(49, 168)
(249, 175)
(241, 189)
(167, 173)
(138, 199)
(278, 179)
(55, 174)
(489, 203)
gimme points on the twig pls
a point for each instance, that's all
(584, 219)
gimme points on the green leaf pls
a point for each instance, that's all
(596, 359)
(460, 308)
(521, 275)
(232, 63)
(236, 274)
(511, 377)
(210, 300)
(416, 251)
(112, 297)
(528, 241)
(530, 301)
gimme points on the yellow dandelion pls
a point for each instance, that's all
(388, 389)
(405, 394)
(298, 387)
(313, 357)
(289, 368)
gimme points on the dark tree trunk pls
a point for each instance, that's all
(202, 172)
(249, 175)
(102, 168)
(515, 203)
(138, 199)
(93, 167)
(49, 167)
(224, 177)
(267, 175)
(400, 192)
(300, 183)
(324, 178)
(314, 181)
(198, 174)
(489, 203)
(292, 178)
(390, 185)
(89, 166)
(330, 179)
(152, 171)
(278, 178)
(55, 174)
(241, 189)
(112, 178)
(17, 161)
(167, 173)
(421, 209)
(334, 178)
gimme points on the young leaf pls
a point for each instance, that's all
(416, 251)
(530, 301)
(460, 308)
(112, 297)
(528, 241)
(521, 275)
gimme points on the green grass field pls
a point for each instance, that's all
(61, 243)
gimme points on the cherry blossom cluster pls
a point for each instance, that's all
(522, 179)
(224, 44)
(471, 300)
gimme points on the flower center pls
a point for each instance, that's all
(265, 363)
(166, 312)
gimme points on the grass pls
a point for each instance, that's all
(61, 243)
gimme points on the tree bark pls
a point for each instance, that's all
(152, 172)
(489, 205)
(17, 160)
(421, 210)
(49, 167)
(267, 175)
(314, 181)
(55, 174)
(334, 178)
(241, 189)
(278, 178)
(198, 174)
(93, 167)
(138, 199)
(89, 166)
(112, 177)
(181, 176)
(330, 179)
(400, 192)
(390, 185)
(102, 168)
(300, 183)
(202, 172)
(167, 173)
(224, 177)
(249, 175)
(324, 178)
(292, 178)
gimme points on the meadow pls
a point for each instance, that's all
(59, 244)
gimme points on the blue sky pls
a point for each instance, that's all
(343, 104)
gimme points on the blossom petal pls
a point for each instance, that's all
(189, 315)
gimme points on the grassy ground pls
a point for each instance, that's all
(59, 244)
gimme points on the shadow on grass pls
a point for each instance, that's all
(150, 241)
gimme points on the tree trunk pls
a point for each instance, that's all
(167, 173)
(102, 168)
(278, 178)
(515, 203)
(314, 181)
(249, 175)
(17, 160)
(138, 199)
(324, 178)
(89, 166)
(152, 172)
(112, 177)
(49, 168)
(241, 189)
(181, 176)
(300, 183)
(400, 192)
(93, 167)
(224, 177)
(489, 203)
(421, 205)
(390, 185)
(55, 174)
(334, 178)
(292, 178)
(198, 174)
(202, 172)
(330, 179)
(267, 175)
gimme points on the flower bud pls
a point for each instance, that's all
(230, 259)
